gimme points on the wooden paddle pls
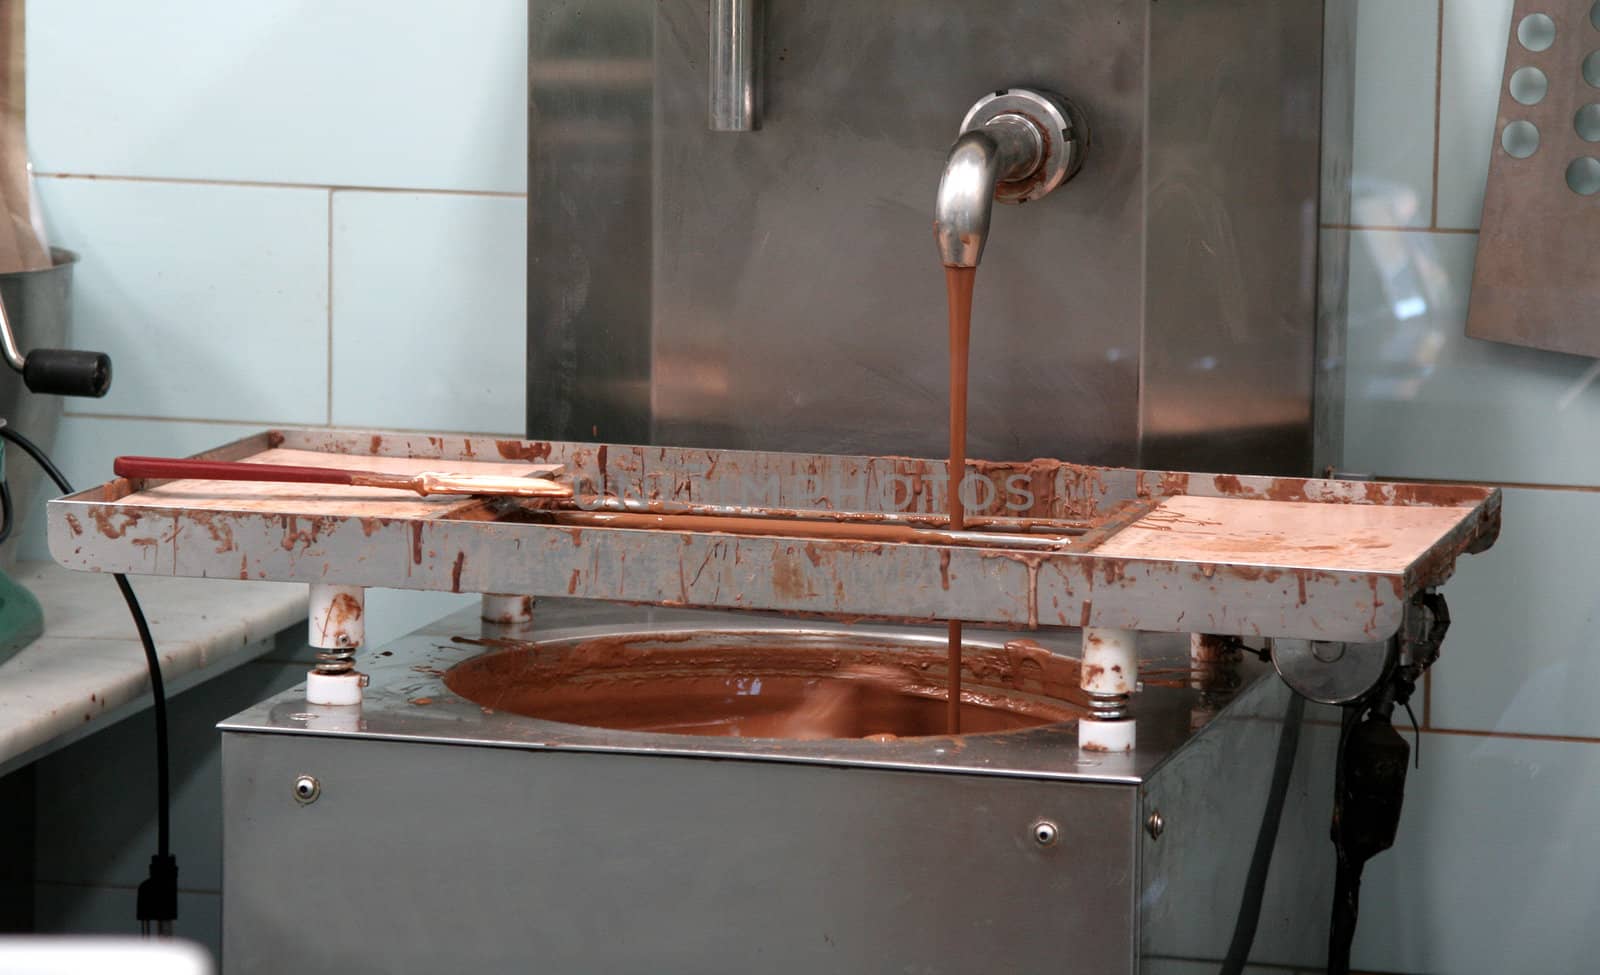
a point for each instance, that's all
(424, 483)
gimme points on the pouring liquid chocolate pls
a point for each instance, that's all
(958, 288)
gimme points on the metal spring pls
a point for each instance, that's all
(337, 660)
(1109, 707)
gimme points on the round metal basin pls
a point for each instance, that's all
(770, 683)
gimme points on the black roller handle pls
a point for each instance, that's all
(67, 372)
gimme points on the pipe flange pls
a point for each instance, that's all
(1062, 129)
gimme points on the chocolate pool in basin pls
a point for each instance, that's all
(771, 683)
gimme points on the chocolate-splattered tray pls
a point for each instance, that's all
(1149, 550)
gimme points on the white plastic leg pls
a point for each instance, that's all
(1110, 661)
(338, 625)
(342, 688)
(338, 616)
(1110, 673)
(1107, 736)
(507, 609)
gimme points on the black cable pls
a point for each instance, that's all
(1255, 886)
(1346, 874)
(158, 896)
(5, 510)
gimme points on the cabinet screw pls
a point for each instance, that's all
(307, 789)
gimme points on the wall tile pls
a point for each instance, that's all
(392, 613)
(1424, 400)
(1492, 871)
(1523, 654)
(105, 910)
(429, 312)
(343, 92)
(211, 300)
(84, 447)
(1474, 42)
(1392, 168)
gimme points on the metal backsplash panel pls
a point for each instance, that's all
(780, 288)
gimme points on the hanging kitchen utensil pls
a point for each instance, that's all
(1535, 282)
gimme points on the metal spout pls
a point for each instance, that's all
(1004, 152)
(1006, 148)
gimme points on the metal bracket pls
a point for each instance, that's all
(1339, 673)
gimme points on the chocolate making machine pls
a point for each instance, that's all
(696, 171)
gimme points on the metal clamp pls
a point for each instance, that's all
(735, 92)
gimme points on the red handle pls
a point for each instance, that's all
(223, 470)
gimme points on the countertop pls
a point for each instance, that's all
(88, 670)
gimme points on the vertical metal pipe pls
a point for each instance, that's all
(735, 46)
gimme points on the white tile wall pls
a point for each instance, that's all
(211, 300)
(1495, 870)
(1492, 871)
(429, 315)
(1392, 165)
(1423, 399)
(340, 92)
(1524, 656)
(1474, 52)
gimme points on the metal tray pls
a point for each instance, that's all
(1150, 550)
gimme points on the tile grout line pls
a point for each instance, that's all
(268, 184)
(1513, 735)
(281, 424)
(1395, 228)
(151, 418)
(330, 307)
(1438, 89)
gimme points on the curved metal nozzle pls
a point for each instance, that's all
(978, 161)
(1003, 152)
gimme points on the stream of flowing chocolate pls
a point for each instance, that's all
(958, 288)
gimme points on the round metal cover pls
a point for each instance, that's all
(1332, 673)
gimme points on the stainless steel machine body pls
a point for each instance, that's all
(441, 837)
(776, 289)
(730, 206)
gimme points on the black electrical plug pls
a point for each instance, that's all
(1368, 797)
(158, 896)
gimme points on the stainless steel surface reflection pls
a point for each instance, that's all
(411, 670)
(39, 304)
(774, 289)
(841, 856)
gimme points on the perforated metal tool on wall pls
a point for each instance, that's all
(1535, 282)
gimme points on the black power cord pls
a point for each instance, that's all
(158, 894)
